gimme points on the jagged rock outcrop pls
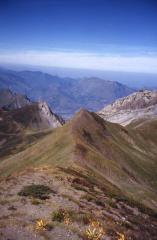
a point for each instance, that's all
(139, 105)
(36, 115)
(19, 108)
(48, 118)
(15, 123)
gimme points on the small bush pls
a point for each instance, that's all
(95, 231)
(35, 201)
(35, 191)
(111, 203)
(42, 225)
(58, 215)
(63, 215)
(100, 202)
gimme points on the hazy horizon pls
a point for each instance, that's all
(97, 35)
(134, 80)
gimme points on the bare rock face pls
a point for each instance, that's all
(18, 108)
(47, 117)
(139, 105)
(36, 115)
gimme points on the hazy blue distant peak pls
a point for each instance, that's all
(65, 95)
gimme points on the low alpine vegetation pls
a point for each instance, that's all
(58, 215)
(36, 191)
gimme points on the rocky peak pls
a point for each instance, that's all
(142, 104)
(29, 114)
(48, 117)
(137, 100)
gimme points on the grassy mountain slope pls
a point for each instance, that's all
(21, 126)
(121, 158)
(14, 136)
(54, 149)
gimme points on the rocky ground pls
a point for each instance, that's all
(72, 209)
(139, 105)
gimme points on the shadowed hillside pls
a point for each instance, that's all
(37, 116)
(24, 124)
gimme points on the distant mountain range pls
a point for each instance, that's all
(64, 95)
(133, 80)
(137, 106)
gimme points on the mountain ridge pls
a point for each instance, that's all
(122, 156)
(95, 169)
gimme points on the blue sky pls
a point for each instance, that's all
(97, 34)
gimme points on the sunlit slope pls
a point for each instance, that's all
(122, 157)
(54, 149)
